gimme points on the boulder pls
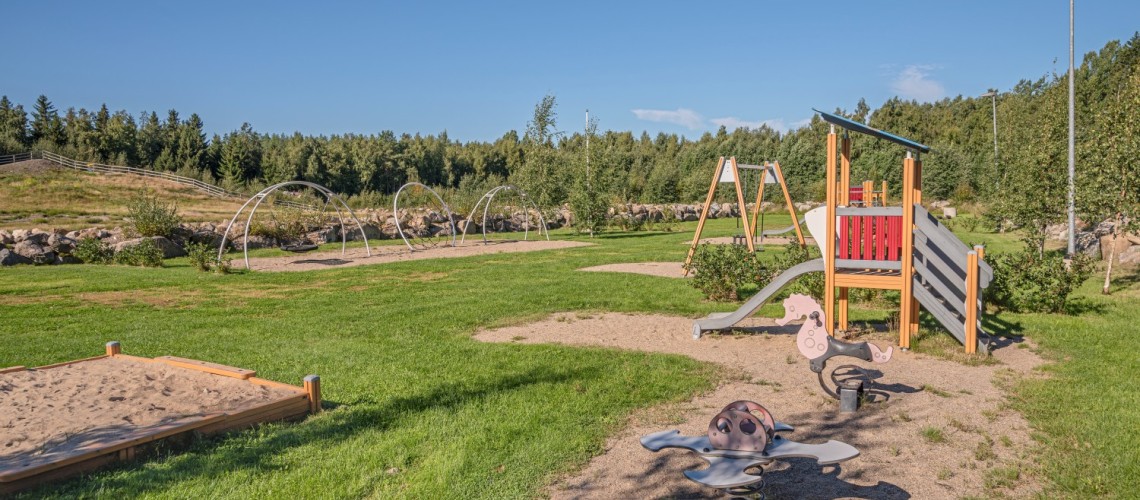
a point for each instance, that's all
(209, 238)
(37, 236)
(1088, 244)
(1131, 255)
(1122, 244)
(18, 235)
(169, 249)
(949, 212)
(61, 244)
(374, 231)
(6, 238)
(36, 252)
(67, 259)
(10, 258)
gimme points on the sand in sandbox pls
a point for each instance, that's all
(964, 403)
(393, 253)
(55, 410)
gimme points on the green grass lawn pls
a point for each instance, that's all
(416, 408)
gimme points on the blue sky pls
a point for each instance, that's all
(476, 69)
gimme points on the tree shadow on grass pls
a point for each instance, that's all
(205, 460)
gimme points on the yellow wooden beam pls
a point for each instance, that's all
(704, 215)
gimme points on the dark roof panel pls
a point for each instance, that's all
(873, 132)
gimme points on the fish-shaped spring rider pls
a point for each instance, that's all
(744, 436)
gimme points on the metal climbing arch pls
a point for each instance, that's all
(330, 198)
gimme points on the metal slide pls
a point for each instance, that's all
(774, 232)
(727, 320)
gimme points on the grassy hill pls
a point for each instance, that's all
(38, 193)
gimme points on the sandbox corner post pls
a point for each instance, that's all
(113, 348)
(313, 389)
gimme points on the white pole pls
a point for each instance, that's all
(587, 150)
(1072, 140)
(994, 99)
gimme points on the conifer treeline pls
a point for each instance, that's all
(1028, 175)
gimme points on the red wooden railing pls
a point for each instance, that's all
(870, 237)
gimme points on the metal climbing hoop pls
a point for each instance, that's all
(330, 197)
(489, 197)
(396, 211)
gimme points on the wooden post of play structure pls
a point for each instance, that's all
(829, 236)
(720, 166)
(740, 205)
(883, 193)
(113, 348)
(313, 390)
(759, 200)
(906, 296)
(916, 179)
(971, 302)
(844, 200)
(704, 215)
(788, 202)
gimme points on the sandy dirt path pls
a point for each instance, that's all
(922, 399)
(393, 253)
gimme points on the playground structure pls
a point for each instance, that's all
(422, 243)
(743, 436)
(901, 248)
(489, 197)
(866, 196)
(256, 200)
(728, 170)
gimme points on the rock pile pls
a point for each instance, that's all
(1097, 241)
(42, 247)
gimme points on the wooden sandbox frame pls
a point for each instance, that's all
(303, 401)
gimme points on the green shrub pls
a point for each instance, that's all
(589, 206)
(286, 224)
(93, 251)
(205, 258)
(727, 272)
(1027, 281)
(146, 254)
(811, 284)
(150, 217)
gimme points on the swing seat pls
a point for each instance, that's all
(299, 247)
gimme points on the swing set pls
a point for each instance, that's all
(729, 171)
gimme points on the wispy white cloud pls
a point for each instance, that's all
(732, 123)
(681, 116)
(802, 123)
(914, 82)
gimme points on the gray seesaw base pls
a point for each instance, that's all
(726, 467)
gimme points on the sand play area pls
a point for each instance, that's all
(939, 428)
(53, 412)
(396, 253)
